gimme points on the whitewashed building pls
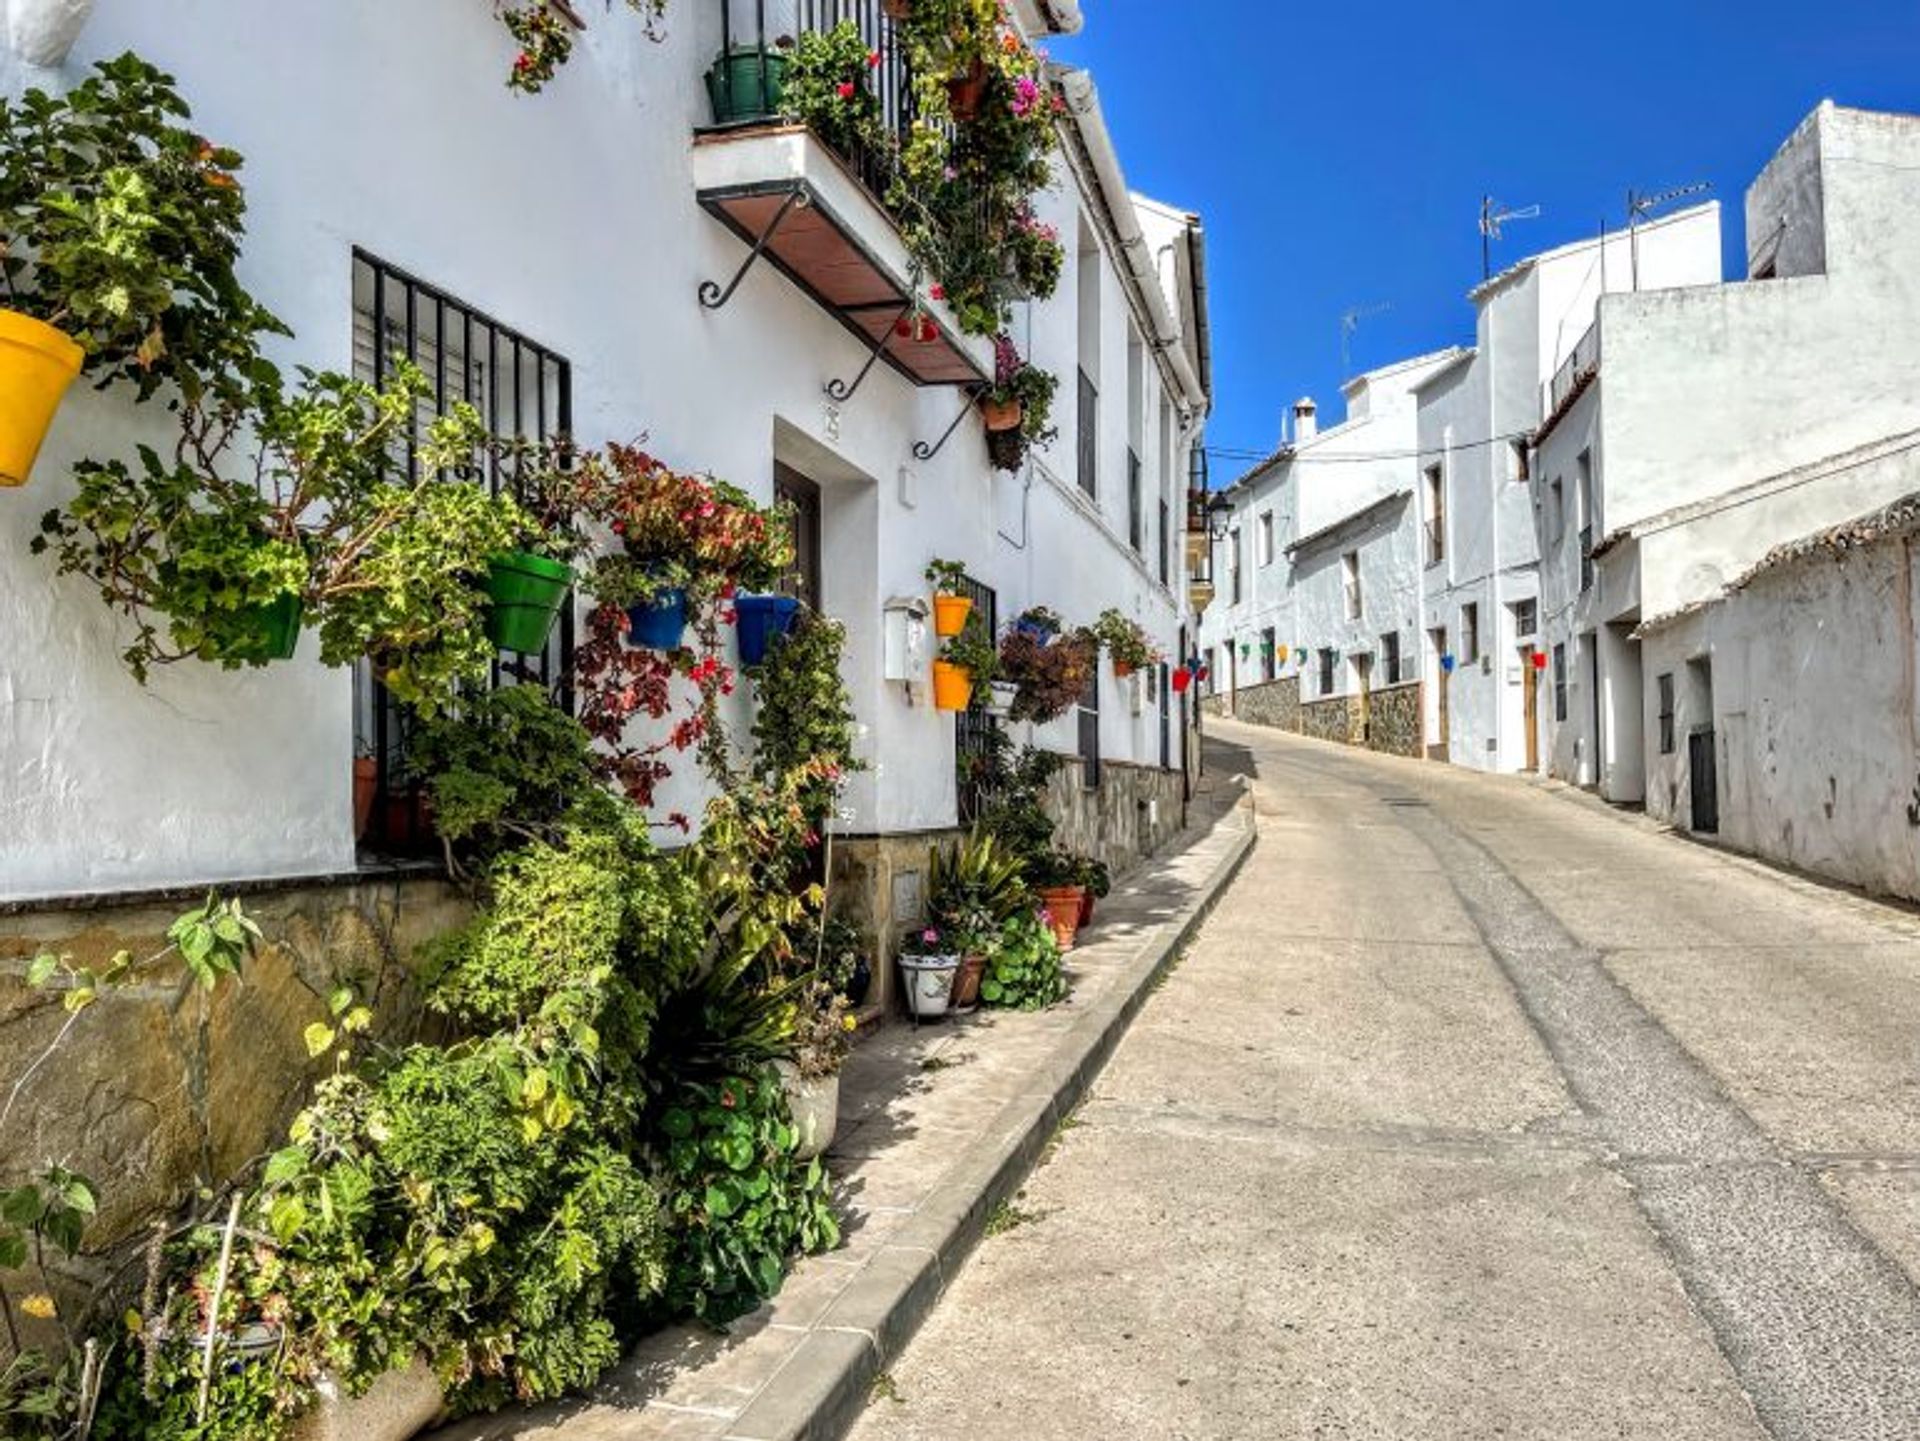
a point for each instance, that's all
(1317, 622)
(1698, 427)
(601, 235)
(1479, 552)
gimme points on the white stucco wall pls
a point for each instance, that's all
(1816, 717)
(570, 216)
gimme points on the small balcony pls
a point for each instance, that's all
(1576, 372)
(816, 214)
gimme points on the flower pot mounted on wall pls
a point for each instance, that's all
(527, 591)
(273, 630)
(950, 614)
(37, 364)
(659, 623)
(952, 687)
(747, 84)
(1182, 678)
(1001, 415)
(966, 90)
(762, 620)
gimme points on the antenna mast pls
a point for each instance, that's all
(1492, 217)
(1640, 206)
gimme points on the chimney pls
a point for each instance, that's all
(1304, 425)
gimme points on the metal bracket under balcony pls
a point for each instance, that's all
(797, 207)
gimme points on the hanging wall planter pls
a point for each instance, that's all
(950, 614)
(763, 619)
(1182, 678)
(1006, 449)
(1001, 415)
(966, 90)
(658, 623)
(273, 630)
(1004, 693)
(952, 687)
(37, 364)
(527, 591)
(746, 84)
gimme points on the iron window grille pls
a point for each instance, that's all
(521, 389)
(1268, 640)
(1088, 421)
(1560, 683)
(1667, 739)
(1326, 672)
(975, 733)
(1166, 546)
(1390, 656)
(1470, 633)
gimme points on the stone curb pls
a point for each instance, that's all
(822, 1388)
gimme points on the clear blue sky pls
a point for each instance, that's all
(1338, 153)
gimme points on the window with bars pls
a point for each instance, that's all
(1136, 514)
(1089, 436)
(974, 731)
(1665, 684)
(1390, 656)
(1166, 545)
(1269, 639)
(521, 389)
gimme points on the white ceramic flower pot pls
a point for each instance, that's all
(1005, 693)
(814, 1106)
(929, 984)
(400, 1405)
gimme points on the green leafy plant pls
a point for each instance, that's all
(823, 1036)
(1006, 786)
(1023, 968)
(827, 87)
(121, 226)
(507, 767)
(973, 651)
(947, 577)
(974, 886)
(738, 1203)
(805, 715)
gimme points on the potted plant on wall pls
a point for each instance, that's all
(1017, 408)
(967, 665)
(951, 605)
(1125, 642)
(1052, 673)
(119, 228)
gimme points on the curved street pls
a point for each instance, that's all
(1475, 1110)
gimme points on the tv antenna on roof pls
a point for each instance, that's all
(1349, 323)
(1639, 207)
(1492, 217)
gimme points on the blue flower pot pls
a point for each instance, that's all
(1036, 630)
(659, 623)
(763, 619)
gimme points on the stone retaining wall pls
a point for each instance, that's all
(1132, 812)
(1393, 725)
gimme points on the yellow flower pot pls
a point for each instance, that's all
(37, 364)
(950, 614)
(952, 686)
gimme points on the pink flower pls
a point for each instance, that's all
(938, 292)
(846, 90)
(930, 935)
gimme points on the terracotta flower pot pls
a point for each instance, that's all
(952, 687)
(1121, 670)
(1002, 414)
(366, 779)
(1086, 909)
(950, 614)
(898, 9)
(966, 982)
(965, 91)
(1063, 912)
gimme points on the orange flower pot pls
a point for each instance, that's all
(952, 686)
(1063, 912)
(950, 614)
(1121, 670)
(1002, 415)
(37, 364)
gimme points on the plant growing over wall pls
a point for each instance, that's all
(1009, 785)
(121, 226)
(805, 716)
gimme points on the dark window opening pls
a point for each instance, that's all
(1326, 672)
(1089, 436)
(1390, 656)
(1667, 740)
(1136, 515)
(1089, 721)
(1560, 683)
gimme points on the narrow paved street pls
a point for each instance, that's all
(1474, 1111)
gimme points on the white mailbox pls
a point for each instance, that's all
(905, 639)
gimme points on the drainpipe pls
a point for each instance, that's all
(1496, 451)
(43, 32)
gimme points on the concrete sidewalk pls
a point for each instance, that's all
(939, 1126)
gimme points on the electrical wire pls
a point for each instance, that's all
(1351, 457)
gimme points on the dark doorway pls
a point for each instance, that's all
(1705, 782)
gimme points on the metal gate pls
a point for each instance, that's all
(1706, 782)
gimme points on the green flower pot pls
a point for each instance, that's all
(742, 88)
(526, 591)
(273, 630)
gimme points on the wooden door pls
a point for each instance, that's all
(1530, 683)
(1442, 748)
